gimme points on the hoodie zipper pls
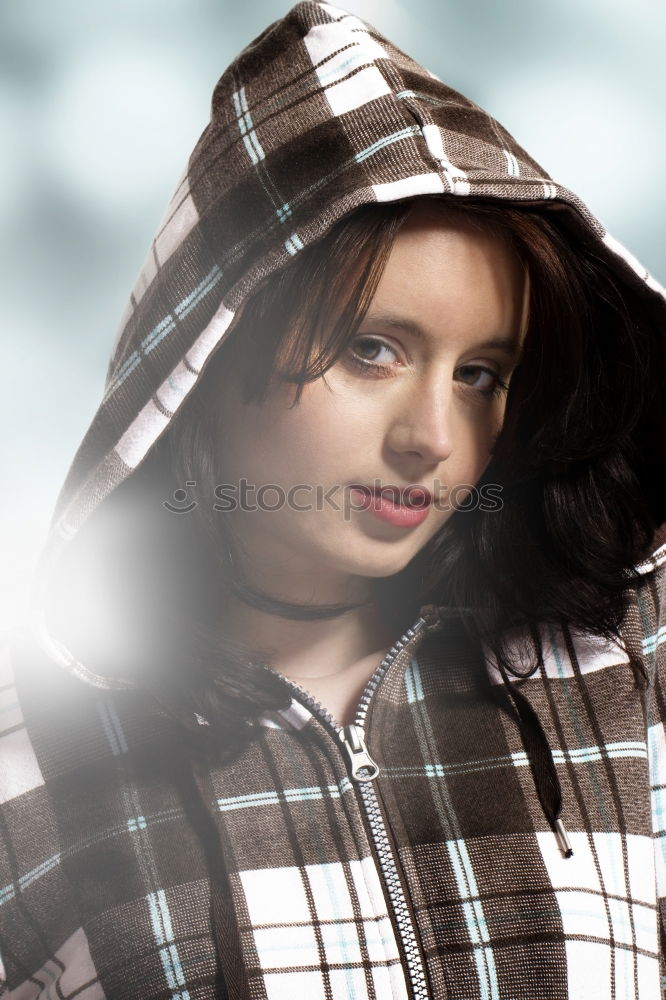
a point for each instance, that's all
(363, 771)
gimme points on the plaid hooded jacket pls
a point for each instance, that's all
(408, 855)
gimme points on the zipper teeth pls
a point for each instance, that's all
(371, 805)
(396, 895)
(373, 683)
(386, 859)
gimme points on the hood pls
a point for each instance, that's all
(318, 115)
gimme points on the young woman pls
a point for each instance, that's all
(346, 675)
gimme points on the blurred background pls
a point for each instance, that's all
(101, 104)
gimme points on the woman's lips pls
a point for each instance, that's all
(407, 496)
(391, 504)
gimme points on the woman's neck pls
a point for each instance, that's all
(332, 659)
(308, 650)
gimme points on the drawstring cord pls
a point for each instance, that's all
(539, 753)
(535, 741)
(542, 765)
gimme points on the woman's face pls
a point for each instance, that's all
(416, 401)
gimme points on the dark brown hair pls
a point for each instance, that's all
(579, 503)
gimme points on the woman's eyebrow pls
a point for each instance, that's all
(509, 345)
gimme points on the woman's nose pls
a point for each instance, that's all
(423, 424)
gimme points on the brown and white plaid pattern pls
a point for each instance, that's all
(105, 882)
(104, 866)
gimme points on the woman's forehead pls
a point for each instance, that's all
(432, 215)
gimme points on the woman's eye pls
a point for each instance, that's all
(370, 353)
(483, 380)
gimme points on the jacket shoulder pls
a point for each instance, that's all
(654, 560)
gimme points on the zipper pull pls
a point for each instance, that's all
(363, 767)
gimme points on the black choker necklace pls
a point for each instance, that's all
(287, 609)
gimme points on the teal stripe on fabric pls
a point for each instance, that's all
(657, 764)
(413, 684)
(577, 755)
(339, 907)
(658, 797)
(8, 892)
(431, 770)
(157, 334)
(253, 135)
(111, 727)
(246, 127)
(348, 945)
(386, 140)
(173, 971)
(485, 960)
(650, 643)
(160, 919)
(132, 825)
(175, 388)
(580, 755)
(187, 304)
(477, 927)
(332, 75)
(556, 655)
(166, 326)
(129, 360)
(132, 361)
(271, 798)
(472, 913)
(439, 770)
(293, 244)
